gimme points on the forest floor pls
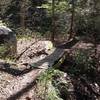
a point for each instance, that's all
(17, 75)
(20, 76)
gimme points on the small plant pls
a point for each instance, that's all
(45, 88)
(83, 63)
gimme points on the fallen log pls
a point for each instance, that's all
(13, 90)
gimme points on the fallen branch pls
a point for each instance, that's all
(18, 85)
(18, 57)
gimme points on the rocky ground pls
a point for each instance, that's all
(80, 88)
(10, 73)
(17, 75)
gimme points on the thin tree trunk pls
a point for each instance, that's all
(53, 21)
(71, 35)
(96, 56)
(22, 14)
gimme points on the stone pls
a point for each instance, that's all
(48, 45)
(8, 38)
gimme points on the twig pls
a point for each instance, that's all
(18, 57)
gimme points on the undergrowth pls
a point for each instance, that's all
(45, 89)
(4, 54)
(84, 65)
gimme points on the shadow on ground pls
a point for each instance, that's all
(24, 90)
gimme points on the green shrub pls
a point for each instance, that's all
(84, 63)
(45, 89)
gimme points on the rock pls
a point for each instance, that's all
(48, 45)
(8, 38)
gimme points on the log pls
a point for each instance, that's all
(15, 89)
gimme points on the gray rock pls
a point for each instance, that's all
(8, 38)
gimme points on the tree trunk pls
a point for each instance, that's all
(53, 21)
(22, 14)
(71, 32)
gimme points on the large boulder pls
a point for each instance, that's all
(8, 38)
